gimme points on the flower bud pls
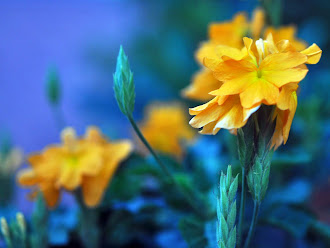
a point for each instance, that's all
(21, 223)
(124, 85)
(5, 231)
(53, 90)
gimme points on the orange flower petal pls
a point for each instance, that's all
(282, 61)
(258, 92)
(27, 177)
(93, 187)
(280, 78)
(285, 97)
(203, 83)
(70, 178)
(313, 54)
(258, 22)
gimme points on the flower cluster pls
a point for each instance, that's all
(231, 34)
(165, 126)
(260, 72)
(87, 163)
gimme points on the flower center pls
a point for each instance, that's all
(259, 73)
(72, 161)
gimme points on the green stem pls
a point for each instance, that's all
(253, 224)
(154, 154)
(58, 116)
(88, 227)
(242, 210)
(188, 197)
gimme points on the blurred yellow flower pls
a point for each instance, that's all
(87, 163)
(286, 33)
(261, 73)
(165, 127)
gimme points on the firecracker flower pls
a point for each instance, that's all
(261, 73)
(231, 34)
(165, 127)
(87, 163)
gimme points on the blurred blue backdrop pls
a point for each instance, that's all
(81, 40)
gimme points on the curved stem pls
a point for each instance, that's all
(242, 210)
(253, 224)
(154, 154)
(188, 197)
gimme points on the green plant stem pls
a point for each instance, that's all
(253, 224)
(241, 210)
(154, 154)
(189, 199)
(58, 116)
(88, 227)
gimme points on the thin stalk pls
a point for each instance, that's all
(242, 210)
(253, 224)
(88, 226)
(188, 197)
(58, 116)
(154, 154)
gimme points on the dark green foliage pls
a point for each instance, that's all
(192, 230)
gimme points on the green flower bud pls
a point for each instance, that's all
(124, 85)
(5, 231)
(21, 223)
(258, 178)
(53, 90)
(226, 210)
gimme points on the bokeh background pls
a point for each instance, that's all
(81, 39)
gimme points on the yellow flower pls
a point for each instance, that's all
(165, 126)
(226, 33)
(257, 74)
(286, 33)
(261, 73)
(87, 163)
